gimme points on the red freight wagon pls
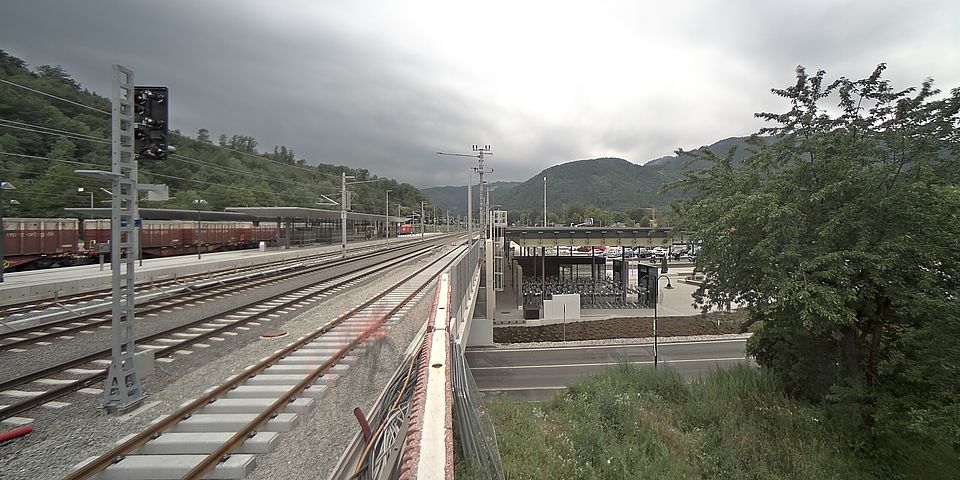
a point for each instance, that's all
(161, 238)
(39, 242)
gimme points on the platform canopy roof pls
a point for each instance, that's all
(581, 236)
(169, 214)
(240, 214)
(272, 213)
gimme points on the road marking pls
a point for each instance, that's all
(521, 389)
(618, 345)
(607, 364)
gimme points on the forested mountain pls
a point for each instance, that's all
(606, 183)
(44, 139)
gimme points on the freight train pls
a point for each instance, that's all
(32, 243)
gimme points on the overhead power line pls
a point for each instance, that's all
(79, 136)
(72, 162)
(258, 157)
(54, 96)
(240, 152)
(67, 132)
(173, 177)
(67, 135)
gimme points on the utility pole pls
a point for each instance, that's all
(423, 223)
(544, 202)
(123, 391)
(479, 152)
(343, 213)
(386, 219)
(199, 203)
(3, 205)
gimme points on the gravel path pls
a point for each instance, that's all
(62, 438)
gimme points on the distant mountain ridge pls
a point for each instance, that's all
(611, 183)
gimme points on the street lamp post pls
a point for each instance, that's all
(343, 212)
(655, 308)
(545, 203)
(199, 203)
(423, 224)
(3, 187)
(386, 219)
(81, 190)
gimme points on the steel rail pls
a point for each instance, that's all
(13, 383)
(22, 307)
(91, 379)
(211, 460)
(142, 285)
(206, 292)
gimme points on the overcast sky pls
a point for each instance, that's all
(382, 85)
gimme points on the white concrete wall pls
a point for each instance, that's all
(560, 307)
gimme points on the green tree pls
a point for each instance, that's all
(841, 236)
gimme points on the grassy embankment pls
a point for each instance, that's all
(640, 423)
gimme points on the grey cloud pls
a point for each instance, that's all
(346, 93)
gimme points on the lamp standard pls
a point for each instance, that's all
(343, 212)
(199, 203)
(545, 202)
(423, 224)
(655, 308)
(4, 186)
(386, 219)
(81, 190)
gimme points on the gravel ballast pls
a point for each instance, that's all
(62, 438)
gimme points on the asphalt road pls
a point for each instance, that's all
(537, 373)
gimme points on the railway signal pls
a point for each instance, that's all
(151, 116)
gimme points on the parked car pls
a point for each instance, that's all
(614, 252)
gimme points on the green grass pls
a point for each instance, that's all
(639, 423)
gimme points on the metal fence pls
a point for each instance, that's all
(473, 426)
(461, 276)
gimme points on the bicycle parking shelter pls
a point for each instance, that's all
(547, 269)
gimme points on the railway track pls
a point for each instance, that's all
(185, 295)
(20, 309)
(91, 369)
(220, 433)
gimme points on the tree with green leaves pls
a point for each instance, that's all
(840, 235)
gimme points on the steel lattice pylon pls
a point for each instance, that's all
(498, 222)
(123, 390)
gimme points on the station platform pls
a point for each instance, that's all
(39, 284)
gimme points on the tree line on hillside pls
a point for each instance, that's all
(578, 213)
(840, 238)
(43, 140)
